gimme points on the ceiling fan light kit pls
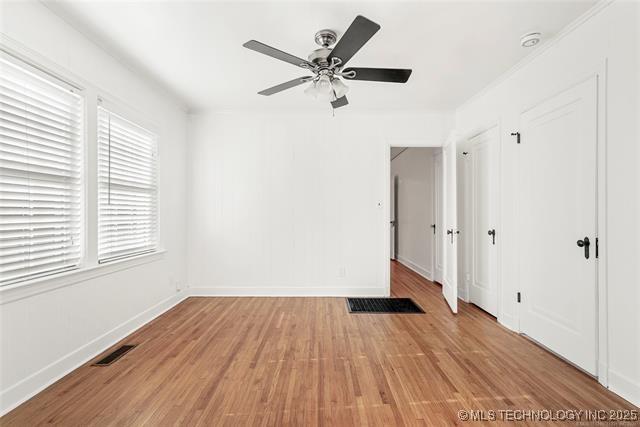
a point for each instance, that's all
(327, 64)
(326, 89)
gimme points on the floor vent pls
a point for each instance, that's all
(113, 356)
(383, 305)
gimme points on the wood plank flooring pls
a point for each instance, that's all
(306, 362)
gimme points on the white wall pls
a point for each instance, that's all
(294, 204)
(50, 327)
(414, 169)
(611, 35)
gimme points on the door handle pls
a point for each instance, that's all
(434, 228)
(492, 233)
(584, 244)
(450, 232)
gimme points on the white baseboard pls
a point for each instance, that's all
(509, 322)
(603, 374)
(286, 292)
(35, 383)
(624, 387)
(462, 294)
(416, 268)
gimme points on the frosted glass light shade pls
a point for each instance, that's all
(325, 89)
(312, 91)
(340, 88)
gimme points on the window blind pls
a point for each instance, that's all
(41, 132)
(127, 189)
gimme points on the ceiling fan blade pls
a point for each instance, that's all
(340, 102)
(393, 75)
(285, 85)
(358, 33)
(278, 54)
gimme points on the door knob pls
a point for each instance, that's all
(585, 243)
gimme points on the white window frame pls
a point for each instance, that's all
(89, 267)
(136, 119)
(54, 79)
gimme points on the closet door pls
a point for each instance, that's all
(557, 210)
(484, 154)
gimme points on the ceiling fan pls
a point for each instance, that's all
(327, 64)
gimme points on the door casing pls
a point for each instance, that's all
(385, 203)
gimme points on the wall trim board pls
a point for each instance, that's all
(22, 391)
(249, 291)
(510, 322)
(427, 274)
(462, 294)
(624, 387)
(577, 23)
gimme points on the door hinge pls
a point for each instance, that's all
(597, 248)
(517, 135)
(519, 299)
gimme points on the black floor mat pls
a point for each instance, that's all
(383, 305)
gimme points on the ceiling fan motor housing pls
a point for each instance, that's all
(319, 56)
(326, 38)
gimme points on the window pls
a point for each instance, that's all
(41, 132)
(127, 189)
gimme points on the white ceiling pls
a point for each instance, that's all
(195, 50)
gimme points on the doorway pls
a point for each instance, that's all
(412, 210)
(421, 219)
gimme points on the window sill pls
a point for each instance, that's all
(41, 285)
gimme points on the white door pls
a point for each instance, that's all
(557, 210)
(438, 255)
(450, 282)
(484, 154)
(394, 212)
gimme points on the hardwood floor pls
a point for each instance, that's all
(306, 361)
